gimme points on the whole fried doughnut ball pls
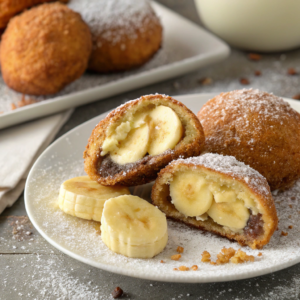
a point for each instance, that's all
(44, 49)
(10, 8)
(126, 33)
(259, 129)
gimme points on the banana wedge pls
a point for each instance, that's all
(133, 227)
(134, 147)
(230, 214)
(84, 198)
(166, 130)
(190, 194)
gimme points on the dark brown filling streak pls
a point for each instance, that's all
(109, 168)
(254, 227)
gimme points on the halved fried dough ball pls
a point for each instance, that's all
(10, 8)
(44, 49)
(126, 33)
(257, 128)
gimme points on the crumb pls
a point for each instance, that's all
(175, 257)
(290, 205)
(257, 73)
(175, 269)
(290, 216)
(259, 254)
(13, 106)
(284, 233)
(162, 262)
(205, 256)
(213, 263)
(225, 255)
(244, 81)
(205, 81)
(293, 198)
(194, 267)
(292, 71)
(241, 257)
(180, 249)
(296, 97)
(254, 56)
(291, 227)
(183, 268)
(117, 292)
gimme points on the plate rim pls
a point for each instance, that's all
(176, 278)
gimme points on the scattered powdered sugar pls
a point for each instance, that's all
(231, 166)
(82, 237)
(238, 105)
(114, 18)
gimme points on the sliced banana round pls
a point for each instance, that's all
(133, 227)
(231, 214)
(84, 198)
(166, 130)
(134, 147)
(190, 194)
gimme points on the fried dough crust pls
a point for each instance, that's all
(44, 49)
(260, 189)
(147, 168)
(257, 128)
(123, 37)
(10, 8)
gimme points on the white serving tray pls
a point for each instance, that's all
(186, 47)
(79, 239)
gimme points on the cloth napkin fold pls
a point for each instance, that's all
(20, 146)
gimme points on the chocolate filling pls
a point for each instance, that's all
(254, 227)
(110, 168)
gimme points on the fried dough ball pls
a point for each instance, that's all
(44, 49)
(126, 33)
(10, 8)
(257, 128)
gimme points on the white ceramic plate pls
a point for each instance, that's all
(186, 47)
(79, 238)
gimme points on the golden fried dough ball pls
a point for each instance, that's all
(10, 8)
(126, 33)
(257, 128)
(44, 49)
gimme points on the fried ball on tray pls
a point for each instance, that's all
(259, 129)
(126, 33)
(10, 8)
(44, 49)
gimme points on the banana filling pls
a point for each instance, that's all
(148, 132)
(228, 204)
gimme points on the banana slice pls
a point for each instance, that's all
(133, 227)
(231, 214)
(134, 147)
(84, 198)
(166, 130)
(190, 194)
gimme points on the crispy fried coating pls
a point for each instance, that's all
(10, 8)
(44, 49)
(126, 34)
(146, 169)
(257, 128)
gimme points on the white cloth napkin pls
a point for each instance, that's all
(20, 146)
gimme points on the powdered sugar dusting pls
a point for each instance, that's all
(114, 18)
(240, 104)
(231, 166)
(82, 237)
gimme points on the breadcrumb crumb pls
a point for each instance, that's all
(175, 257)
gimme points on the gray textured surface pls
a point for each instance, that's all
(32, 269)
